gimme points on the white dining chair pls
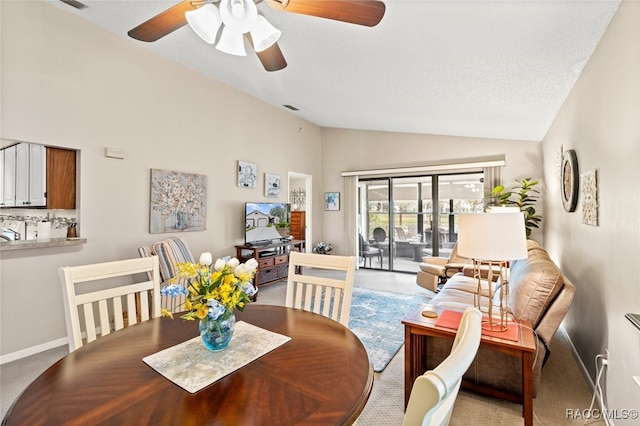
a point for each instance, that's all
(99, 291)
(313, 286)
(434, 393)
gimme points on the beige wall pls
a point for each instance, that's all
(600, 121)
(349, 150)
(66, 83)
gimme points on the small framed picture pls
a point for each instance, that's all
(332, 201)
(271, 185)
(247, 174)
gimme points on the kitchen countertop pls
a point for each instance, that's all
(30, 244)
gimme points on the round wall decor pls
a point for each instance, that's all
(570, 180)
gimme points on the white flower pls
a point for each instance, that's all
(206, 259)
(233, 263)
(219, 265)
(251, 264)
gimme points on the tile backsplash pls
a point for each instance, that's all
(26, 222)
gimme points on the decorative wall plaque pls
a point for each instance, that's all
(589, 195)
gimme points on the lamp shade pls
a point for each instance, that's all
(231, 42)
(488, 236)
(264, 34)
(205, 21)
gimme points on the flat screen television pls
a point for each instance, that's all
(266, 222)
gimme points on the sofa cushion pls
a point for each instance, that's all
(453, 299)
(469, 284)
(533, 284)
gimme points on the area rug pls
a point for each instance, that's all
(376, 319)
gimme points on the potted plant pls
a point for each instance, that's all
(524, 196)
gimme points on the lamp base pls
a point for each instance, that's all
(495, 326)
(490, 269)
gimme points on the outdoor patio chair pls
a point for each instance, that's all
(381, 242)
(368, 252)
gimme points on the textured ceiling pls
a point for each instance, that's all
(489, 69)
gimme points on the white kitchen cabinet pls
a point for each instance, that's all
(30, 175)
(22, 175)
(37, 175)
(9, 177)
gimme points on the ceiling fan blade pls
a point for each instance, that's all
(164, 23)
(272, 58)
(362, 12)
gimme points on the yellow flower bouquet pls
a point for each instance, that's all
(212, 294)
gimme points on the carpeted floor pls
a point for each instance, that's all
(562, 387)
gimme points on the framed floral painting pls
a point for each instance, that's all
(247, 174)
(178, 202)
(271, 185)
(332, 201)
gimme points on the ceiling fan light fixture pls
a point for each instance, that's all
(239, 15)
(205, 21)
(237, 9)
(264, 34)
(231, 42)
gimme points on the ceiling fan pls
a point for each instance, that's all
(239, 18)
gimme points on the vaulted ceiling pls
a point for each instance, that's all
(478, 68)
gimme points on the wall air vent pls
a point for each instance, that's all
(74, 3)
(291, 107)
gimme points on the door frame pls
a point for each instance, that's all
(308, 205)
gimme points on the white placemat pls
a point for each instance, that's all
(192, 366)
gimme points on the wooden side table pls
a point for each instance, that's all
(417, 329)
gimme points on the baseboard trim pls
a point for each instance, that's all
(576, 357)
(14, 356)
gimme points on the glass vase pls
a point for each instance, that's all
(216, 334)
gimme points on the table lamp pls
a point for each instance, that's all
(492, 240)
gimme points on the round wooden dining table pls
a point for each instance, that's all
(321, 376)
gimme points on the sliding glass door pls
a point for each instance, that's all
(403, 219)
(373, 224)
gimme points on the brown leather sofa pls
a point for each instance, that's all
(538, 292)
